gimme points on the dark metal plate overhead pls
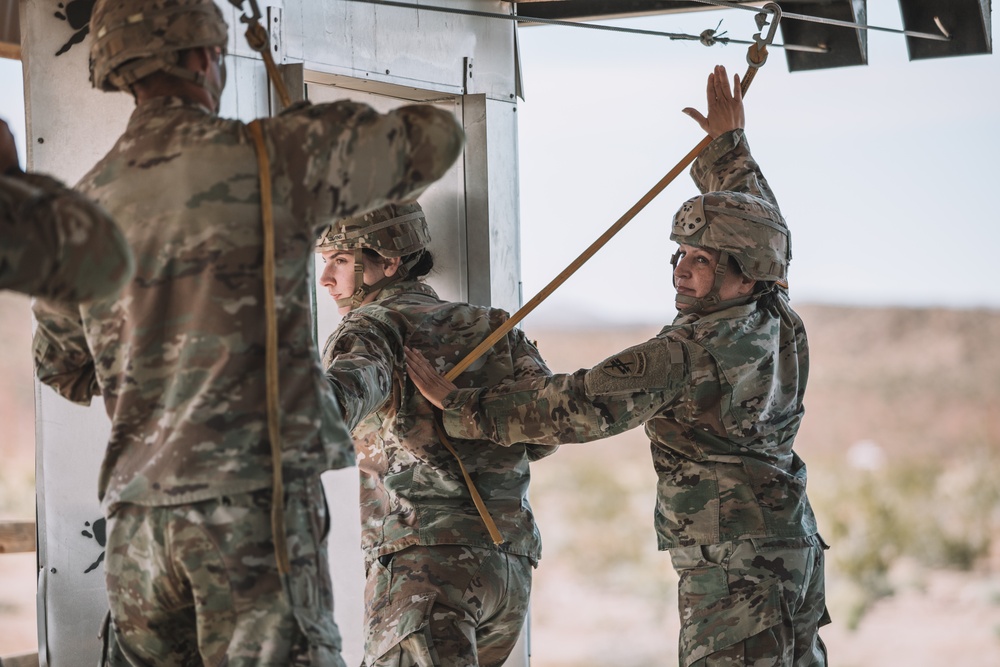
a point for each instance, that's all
(594, 10)
(967, 22)
(845, 46)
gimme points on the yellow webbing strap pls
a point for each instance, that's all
(271, 351)
(477, 499)
(257, 39)
(756, 57)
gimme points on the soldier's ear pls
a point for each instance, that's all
(390, 265)
(197, 59)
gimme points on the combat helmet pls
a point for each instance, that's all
(745, 227)
(395, 230)
(135, 38)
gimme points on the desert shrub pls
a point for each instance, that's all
(938, 514)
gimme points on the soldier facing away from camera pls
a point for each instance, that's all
(54, 243)
(720, 392)
(186, 482)
(439, 591)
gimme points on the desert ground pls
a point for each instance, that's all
(902, 439)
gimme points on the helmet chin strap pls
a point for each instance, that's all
(712, 301)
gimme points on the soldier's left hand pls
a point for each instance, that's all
(725, 105)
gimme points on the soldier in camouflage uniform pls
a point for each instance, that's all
(720, 391)
(55, 243)
(439, 592)
(186, 481)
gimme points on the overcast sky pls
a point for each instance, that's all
(884, 172)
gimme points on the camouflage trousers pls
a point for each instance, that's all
(445, 606)
(752, 602)
(198, 584)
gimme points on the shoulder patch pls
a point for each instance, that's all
(628, 364)
(655, 365)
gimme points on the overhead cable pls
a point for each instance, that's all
(944, 37)
(707, 37)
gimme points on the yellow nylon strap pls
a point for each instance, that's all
(271, 351)
(257, 39)
(505, 328)
(592, 249)
(484, 513)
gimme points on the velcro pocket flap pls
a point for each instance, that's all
(401, 619)
(727, 621)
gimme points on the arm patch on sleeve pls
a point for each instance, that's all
(647, 367)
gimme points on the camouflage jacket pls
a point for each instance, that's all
(412, 490)
(179, 355)
(56, 244)
(720, 395)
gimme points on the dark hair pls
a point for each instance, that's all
(424, 265)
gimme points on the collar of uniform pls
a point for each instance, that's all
(159, 105)
(407, 287)
(732, 312)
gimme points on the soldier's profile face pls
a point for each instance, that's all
(694, 275)
(338, 276)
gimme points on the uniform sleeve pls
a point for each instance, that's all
(58, 244)
(727, 165)
(62, 357)
(359, 358)
(528, 363)
(618, 394)
(341, 159)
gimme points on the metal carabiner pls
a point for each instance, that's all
(759, 47)
(254, 15)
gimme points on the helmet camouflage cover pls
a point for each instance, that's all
(396, 230)
(134, 38)
(747, 228)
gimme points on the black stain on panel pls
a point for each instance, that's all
(77, 14)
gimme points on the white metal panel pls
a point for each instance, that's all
(492, 205)
(69, 127)
(409, 47)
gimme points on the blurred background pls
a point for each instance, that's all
(884, 173)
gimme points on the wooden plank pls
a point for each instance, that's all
(26, 660)
(17, 537)
(10, 51)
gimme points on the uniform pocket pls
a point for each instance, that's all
(309, 586)
(716, 626)
(715, 616)
(399, 634)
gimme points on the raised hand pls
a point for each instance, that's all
(725, 105)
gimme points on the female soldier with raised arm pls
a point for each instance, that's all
(720, 392)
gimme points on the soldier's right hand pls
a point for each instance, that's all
(8, 150)
(428, 381)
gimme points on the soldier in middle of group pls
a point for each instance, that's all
(439, 592)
